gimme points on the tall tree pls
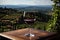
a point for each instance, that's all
(54, 23)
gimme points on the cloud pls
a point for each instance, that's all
(1, 2)
(25, 2)
(44, 2)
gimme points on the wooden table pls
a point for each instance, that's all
(20, 34)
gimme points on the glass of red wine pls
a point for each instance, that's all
(29, 19)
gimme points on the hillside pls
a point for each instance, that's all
(11, 19)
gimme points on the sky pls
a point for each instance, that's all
(26, 2)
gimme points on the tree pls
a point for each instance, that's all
(54, 23)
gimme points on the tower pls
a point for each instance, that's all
(24, 14)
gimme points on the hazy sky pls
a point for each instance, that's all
(25, 2)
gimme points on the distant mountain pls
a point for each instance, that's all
(21, 6)
(29, 7)
(13, 6)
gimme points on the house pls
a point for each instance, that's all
(5, 20)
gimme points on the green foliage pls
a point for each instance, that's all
(52, 22)
(51, 26)
(39, 25)
(15, 18)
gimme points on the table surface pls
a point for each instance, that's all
(20, 34)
